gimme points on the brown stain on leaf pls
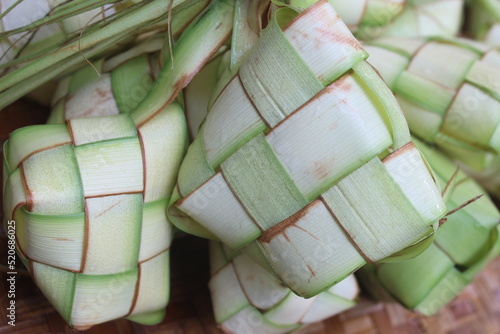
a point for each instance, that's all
(407, 147)
(306, 231)
(313, 273)
(299, 35)
(330, 33)
(341, 84)
(101, 97)
(102, 93)
(321, 169)
(104, 96)
(108, 209)
(280, 228)
(327, 31)
(183, 82)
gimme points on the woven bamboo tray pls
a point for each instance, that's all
(475, 311)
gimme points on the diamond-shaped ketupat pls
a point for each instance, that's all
(89, 198)
(305, 160)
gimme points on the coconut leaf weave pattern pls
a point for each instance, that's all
(305, 160)
(261, 302)
(124, 81)
(463, 246)
(370, 19)
(88, 198)
(368, 13)
(449, 92)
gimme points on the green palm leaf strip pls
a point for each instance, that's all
(39, 67)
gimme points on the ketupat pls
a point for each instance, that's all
(371, 15)
(248, 299)
(369, 19)
(267, 176)
(89, 202)
(449, 92)
(463, 246)
(448, 100)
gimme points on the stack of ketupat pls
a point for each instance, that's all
(303, 169)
